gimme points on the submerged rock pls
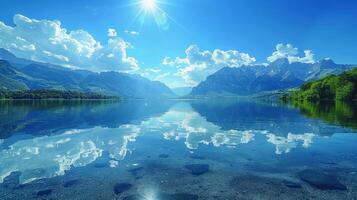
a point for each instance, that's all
(291, 184)
(164, 155)
(122, 187)
(197, 169)
(70, 183)
(176, 196)
(44, 192)
(321, 180)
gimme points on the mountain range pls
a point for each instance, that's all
(22, 74)
(253, 79)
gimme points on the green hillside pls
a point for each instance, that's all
(342, 87)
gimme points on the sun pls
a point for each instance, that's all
(149, 4)
(152, 10)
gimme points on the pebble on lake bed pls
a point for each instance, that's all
(291, 184)
(70, 183)
(122, 187)
(197, 169)
(164, 155)
(44, 192)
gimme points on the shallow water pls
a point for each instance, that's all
(214, 149)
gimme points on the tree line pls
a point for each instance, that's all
(342, 87)
(51, 94)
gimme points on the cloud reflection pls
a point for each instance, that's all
(50, 156)
(195, 130)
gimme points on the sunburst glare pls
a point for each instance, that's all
(152, 9)
(149, 5)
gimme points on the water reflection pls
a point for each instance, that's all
(184, 123)
(37, 118)
(48, 156)
(342, 113)
(65, 136)
(276, 118)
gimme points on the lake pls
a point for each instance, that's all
(176, 149)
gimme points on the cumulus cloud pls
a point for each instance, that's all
(112, 32)
(291, 53)
(48, 41)
(198, 64)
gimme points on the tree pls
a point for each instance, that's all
(345, 92)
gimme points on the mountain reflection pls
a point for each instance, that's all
(242, 115)
(86, 132)
(37, 118)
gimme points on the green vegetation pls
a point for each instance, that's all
(50, 94)
(332, 99)
(342, 87)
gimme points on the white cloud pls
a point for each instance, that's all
(154, 70)
(197, 64)
(112, 32)
(132, 32)
(162, 76)
(48, 41)
(174, 62)
(291, 53)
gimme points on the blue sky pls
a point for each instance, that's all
(247, 31)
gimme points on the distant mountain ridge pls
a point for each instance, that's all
(22, 74)
(252, 79)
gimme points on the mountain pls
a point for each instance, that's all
(182, 91)
(19, 62)
(10, 78)
(22, 74)
(126, 85)
(281, 74)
